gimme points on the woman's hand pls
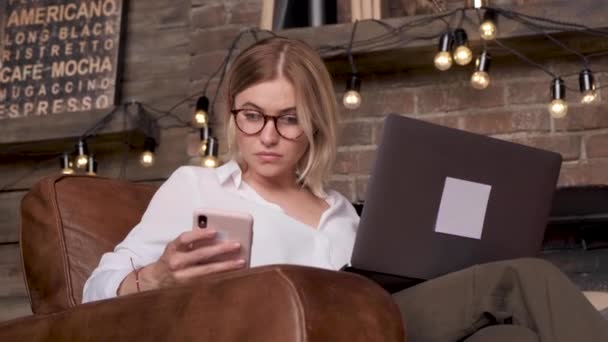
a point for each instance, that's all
(188, 256)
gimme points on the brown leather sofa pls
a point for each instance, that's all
(68, 222)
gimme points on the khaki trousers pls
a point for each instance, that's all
(516, 300)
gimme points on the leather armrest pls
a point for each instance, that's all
(271, 303)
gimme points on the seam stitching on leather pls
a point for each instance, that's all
(300, 306)
(59, 225)
(27, 287)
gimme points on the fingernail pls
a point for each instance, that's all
(240, 261)
(211, 231)
(236, 244)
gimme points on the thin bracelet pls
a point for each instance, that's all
(136, 271)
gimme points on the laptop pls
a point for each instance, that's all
(441, 199)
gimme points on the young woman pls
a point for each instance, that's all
(281, 123)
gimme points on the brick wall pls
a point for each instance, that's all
(513, 108)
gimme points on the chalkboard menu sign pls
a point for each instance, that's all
(58, 56)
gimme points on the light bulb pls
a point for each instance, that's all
(200, 118)
(587, 86)
(202, 149)
(352, 99)
(82, 158)
(92, 166)
(443, 60)
(66, 164)
(558, 108)
(463, 55)
(210, 162)
(81, 161)
(480, 80)
(589, 96)
(146, 159)
(488, 30)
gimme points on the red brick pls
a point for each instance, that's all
(204, 65)
(506, 121)
(377, 132)
(583, 117)
(361, 187)
(528, 92)
(354, 162)
(569, 146)
(208, 16)
(597, 146)
(356, 133)
(343, 186)
(458, 96)
(380, 103)
(590, 172)
(447, 121)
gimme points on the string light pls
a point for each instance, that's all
(92, 166)
(82, 158)
(587, 86)
(462, 53)
(147, 157)
(558, 106)
(488, 28)
(481, 79)
(210, 160)
(443, 58)
(66, 164)
(352, 97)
(201, 116)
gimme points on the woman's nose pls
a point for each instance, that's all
(269, 135)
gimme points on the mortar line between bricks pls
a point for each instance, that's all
(357, 148)
(536, 134)
(340, 177)
(490, 110)
(364, 119)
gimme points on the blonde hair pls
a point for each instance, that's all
(316, 104)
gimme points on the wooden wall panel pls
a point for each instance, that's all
(11, 276)
(14, 307)
(14, 301)
(10, 216)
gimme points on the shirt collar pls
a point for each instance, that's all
(230, 171)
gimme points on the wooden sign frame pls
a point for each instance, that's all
(62, 62)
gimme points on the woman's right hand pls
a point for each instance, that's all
(188, 256)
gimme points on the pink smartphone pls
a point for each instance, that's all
(230, 226)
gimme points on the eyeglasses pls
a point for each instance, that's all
(252, 122)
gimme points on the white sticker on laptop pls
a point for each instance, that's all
(463, 208)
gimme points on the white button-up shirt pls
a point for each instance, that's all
(277, 237)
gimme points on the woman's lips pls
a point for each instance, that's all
(268, 156)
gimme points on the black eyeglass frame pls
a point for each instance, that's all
(236, 111)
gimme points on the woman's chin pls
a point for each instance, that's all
(267, 170)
